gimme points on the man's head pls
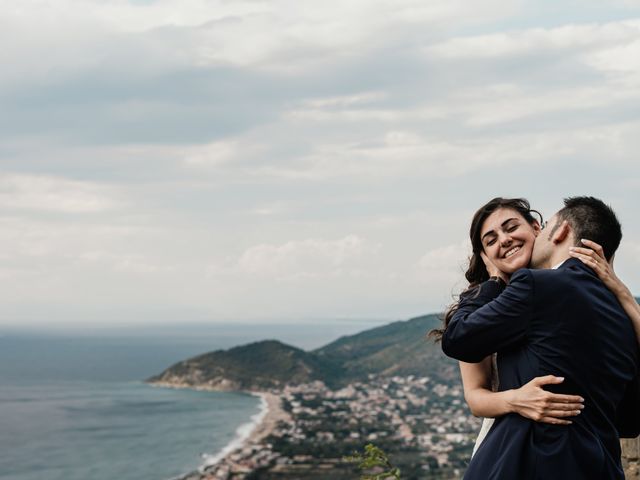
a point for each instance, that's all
(581, 217)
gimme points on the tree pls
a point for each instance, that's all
(374, 463)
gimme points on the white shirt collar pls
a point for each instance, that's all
(558, 265)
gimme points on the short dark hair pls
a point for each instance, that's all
(592, 219)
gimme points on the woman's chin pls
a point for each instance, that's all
(513, 266)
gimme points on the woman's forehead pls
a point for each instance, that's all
(498, 219)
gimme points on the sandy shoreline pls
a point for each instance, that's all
(272, 416)
(264, 423)
(241, 457)
(261, 426)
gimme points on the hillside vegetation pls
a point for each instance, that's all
(400, 348)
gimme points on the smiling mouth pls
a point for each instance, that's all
(511, 252)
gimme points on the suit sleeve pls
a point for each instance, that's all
(492, 320)
(628, 414)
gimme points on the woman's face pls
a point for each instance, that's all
(507, 239)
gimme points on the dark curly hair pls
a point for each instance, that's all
(477, 272)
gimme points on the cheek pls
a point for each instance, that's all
(492, 253)
(532, 240)
(528, 248)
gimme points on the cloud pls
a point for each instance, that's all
(442, 270)
(207, 152)
(124, 263)
(159, 73)
(534, 41)
(212, 154)
(401, 154)
(450, 258)
(273, 208)
(54, 194)
(310, 258)
(619, 61)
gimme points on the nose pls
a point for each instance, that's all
(504, 239)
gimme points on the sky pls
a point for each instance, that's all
(208, 161)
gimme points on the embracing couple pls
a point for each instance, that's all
(548, 342)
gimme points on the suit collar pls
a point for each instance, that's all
(575, 263)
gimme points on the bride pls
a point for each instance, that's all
(496, 226)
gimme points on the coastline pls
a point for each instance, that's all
(248, 437)
(252, 432)
(271, 415)
(236, 457)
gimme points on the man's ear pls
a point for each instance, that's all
(562, 232)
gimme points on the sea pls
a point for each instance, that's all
(75, 405)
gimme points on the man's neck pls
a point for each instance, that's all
(557, 259)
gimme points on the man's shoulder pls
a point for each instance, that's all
(542, 273)
(544, 278)
(522, 273)
(528, 275)
(570, 271)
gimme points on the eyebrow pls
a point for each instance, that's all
(491, 232)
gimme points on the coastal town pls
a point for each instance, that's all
(422, 424)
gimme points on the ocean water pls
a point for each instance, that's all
(73, 405)
(75, 409)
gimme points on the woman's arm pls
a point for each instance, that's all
(529, 401)
(476, 381)
(593, 256)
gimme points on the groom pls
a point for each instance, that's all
(559, 320)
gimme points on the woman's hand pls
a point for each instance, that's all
(532, 402)
(593, 256)
(492, 270)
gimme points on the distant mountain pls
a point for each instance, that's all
(256, 366)
(400, 348)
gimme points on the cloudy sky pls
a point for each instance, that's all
(216, 160)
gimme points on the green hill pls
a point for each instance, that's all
(256, 366)
(400, 348)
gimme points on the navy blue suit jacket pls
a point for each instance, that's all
(563, 322)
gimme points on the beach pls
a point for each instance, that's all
(273, 414)
(247, 451)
